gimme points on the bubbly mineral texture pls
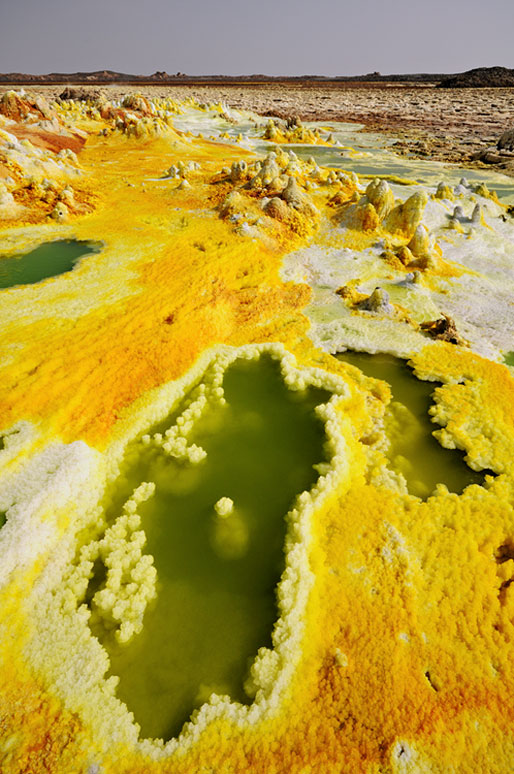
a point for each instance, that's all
(223, 237)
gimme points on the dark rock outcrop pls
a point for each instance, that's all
(443, 329)
(480, 77)
(82, 95)
(506, 141)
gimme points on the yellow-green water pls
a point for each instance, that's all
(46, 260)
(413, 450)
(217, 577)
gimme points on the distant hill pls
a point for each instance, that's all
(98, 76)
(480, 77)
(162, 77)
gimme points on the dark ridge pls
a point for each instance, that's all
(480, 77)
(161, 77)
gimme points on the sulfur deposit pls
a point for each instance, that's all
(224, 239)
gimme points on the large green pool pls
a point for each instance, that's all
(216, 576)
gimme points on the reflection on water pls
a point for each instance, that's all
(413, 450)
(217, 574)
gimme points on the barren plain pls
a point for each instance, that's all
(454, 125)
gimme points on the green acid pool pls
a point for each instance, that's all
(216, 605)
(413, 450)
(47, 260)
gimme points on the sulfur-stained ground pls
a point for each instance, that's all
(394, 648)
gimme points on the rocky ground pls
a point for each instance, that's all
(453, 125)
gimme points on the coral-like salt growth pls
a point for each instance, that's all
(392, 644)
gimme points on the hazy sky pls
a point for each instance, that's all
(290, 37)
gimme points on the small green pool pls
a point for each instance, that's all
(48, 260)
(215, 604)
(413, 450)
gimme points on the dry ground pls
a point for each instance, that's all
(443, 124)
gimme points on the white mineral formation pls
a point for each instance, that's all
(419, 245)
(381, 197)
(476, 215)
(296, 199)
(8, 206)
(406, 217)
(60, 212)
(224, 507)
(67, 196)
(238, 171)
(378, 302)
(444, 191)
(268, 172)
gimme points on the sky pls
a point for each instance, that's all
(274, 37)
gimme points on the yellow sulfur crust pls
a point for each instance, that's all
(396, 647)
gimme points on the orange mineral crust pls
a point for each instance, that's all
(192, 283)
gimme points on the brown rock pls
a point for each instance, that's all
(506, 141)
(82, 95)
(277, 208)
(443, 329)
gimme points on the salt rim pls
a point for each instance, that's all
(62, 643)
